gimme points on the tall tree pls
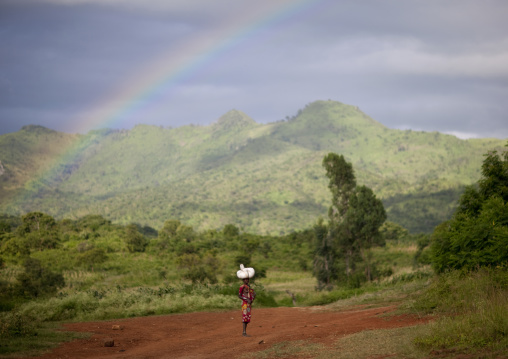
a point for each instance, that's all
(342, 185)
(364, 217)
(324, 259)
(354, 220)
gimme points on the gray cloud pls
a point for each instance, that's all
(426, 65)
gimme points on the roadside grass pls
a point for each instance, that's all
(388, 290)
(291, 349)
(470, 311)
(47, 336)
(282, 284)
(473, 310)
(387, 294)
(381, 343)
(132, 302)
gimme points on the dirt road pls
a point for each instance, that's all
(218, 335)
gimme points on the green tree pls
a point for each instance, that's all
(92, 222)
(393, 231)
(477, 234)
(354, 220)
(135, 241)
(199, 270)
(17, 247)
(494, 181)
(4, 228)
(169, 228)
(342, 183)
(230, 231)
(422, 255)
(174, 233)
(185, 233)
(364, 217)
(325, 255)
(40, 229)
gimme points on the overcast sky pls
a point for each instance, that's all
(431, 65)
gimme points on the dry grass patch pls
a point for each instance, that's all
(383, 343)
(382, 297)
(298, 283)
(294, 349)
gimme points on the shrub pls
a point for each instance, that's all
(244, 259)
(91, 257)
(135, 241)
(38, 281)
(14, 324)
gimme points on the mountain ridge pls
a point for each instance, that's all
(266, 178)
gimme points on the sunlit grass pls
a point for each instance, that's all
(133, 302)
(389, 343)
(293, 349)
(285, 284)
(474, 311)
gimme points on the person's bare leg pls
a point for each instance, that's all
(245, 330)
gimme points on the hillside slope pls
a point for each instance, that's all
(266, 178)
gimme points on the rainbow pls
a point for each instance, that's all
(166, 73)
(179, 64)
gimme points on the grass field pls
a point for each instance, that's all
(470, 310)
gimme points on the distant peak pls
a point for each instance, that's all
(37, 128)
(337, 111)
(234, 119)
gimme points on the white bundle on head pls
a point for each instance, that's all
(245, 272)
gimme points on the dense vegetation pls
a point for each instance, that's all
(470, 253)
(90, 268)
(87, 266)
(264, 178)
(477, 235)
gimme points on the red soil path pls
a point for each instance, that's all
(218, 335)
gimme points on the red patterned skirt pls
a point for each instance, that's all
(246, 312)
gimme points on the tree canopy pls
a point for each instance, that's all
(477, 235)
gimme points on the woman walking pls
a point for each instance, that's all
(246, 294)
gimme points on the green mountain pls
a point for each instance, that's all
(265, 178)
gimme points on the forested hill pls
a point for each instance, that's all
(264, 178)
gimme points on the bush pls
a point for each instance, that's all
(135, 241)
(14, 324)
(7, 300)
(469, 242)
(91, 257)
(265, 299)
(38, 281)
(244, 259)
